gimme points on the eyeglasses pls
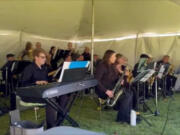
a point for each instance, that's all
(42, 57)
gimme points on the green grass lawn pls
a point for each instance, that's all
(85, 112)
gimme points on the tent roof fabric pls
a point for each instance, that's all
(71, 19)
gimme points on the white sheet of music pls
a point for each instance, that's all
(65, 66)
(161, 71)
(147, 76)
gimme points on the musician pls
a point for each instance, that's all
(141, 65)
(38, 45)
(96, 60)
(107, 76)
(9, 77)
(70, 48)
(168, 78)
(36, 73)
(27, 54)
(86, 54)
(128, 100)
(53, 61)
(8, 65)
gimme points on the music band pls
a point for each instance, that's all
(113, 74)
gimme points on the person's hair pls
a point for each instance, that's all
(28, 46)
(166, 56)
(38, 51)
(107, 56)
(118, 56)
(144, 55)
(9, 55)
(51, 49)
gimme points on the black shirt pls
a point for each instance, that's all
(87, 56)
(107, 77)
(33, 73)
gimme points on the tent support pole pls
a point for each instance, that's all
(136, 44)
(92, 38)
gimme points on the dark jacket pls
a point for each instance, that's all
(107, 78)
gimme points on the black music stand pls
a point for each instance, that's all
(70, 75)
(144, 80)
(141, 78)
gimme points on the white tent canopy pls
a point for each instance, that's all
(54, 22)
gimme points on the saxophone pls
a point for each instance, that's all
(170, 70)
(118, 91)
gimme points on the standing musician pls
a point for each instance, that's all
(107, 75)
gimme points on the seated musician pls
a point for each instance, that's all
(38, 45)
(27, 54)
(170, 79)
(86, 54)
(8, 65)
(52, 55)
(10, 79)
(96, 60)
(36, 74)
(107, 76)
(70, 48)
(140, 65)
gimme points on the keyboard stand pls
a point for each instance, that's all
(63, 112)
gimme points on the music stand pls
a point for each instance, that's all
(142, 78)
(161, 75)
(19, 66)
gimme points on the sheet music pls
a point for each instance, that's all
(148, 75)
(155, 64)
(57, 71)
(65, 66)
(13, 65)
(55, 54)
(161, 71)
